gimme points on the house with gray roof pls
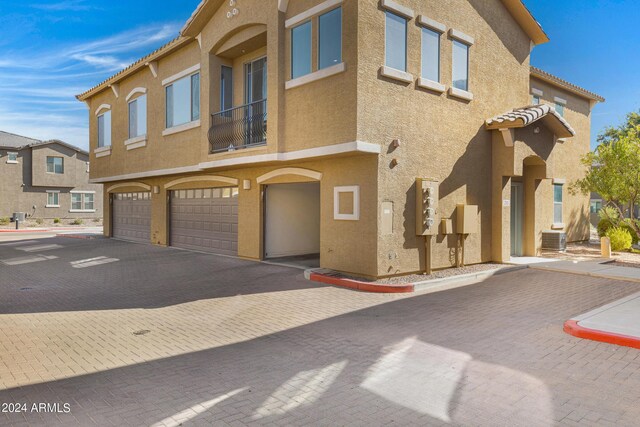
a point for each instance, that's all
(46, 179)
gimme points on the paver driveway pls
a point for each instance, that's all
(130, 334)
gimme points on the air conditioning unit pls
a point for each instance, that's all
(554, 241)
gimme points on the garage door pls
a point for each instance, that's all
(205, 220)
(132, 216)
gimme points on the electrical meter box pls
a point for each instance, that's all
(427, 207)
(467, 219)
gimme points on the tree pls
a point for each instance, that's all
(611, 133)
(613, 169)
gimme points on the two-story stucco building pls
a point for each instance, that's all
(46, 179)
(388, 137)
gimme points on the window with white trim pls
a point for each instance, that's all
(183, 100)
(396, 41)
(55, 165)
(330, 38)
(431, 54)
(12, 157)
(301, 50)
(138, 116)
(104, 129)
(82, 201)
(53, 199)
(460, 65)
(557, 203)
(535, 99)
(560, 108)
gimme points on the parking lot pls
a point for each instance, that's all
(131, 334)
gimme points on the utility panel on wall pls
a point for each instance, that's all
(427, 196)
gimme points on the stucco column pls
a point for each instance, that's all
(159, 216)
(106, 219)
(501, 219)
(250, 222)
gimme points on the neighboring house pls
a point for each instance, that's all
(46, 179)
(596, 205)
(349, 129)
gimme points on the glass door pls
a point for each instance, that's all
(517, 204)
(256, 100)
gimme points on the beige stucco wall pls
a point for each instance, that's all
(345, 245)
(441, 137)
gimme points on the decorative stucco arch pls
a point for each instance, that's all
(201, 178)
(237, 36)
(102, 107)
(135, 91)
(129, 184)
(317, 176)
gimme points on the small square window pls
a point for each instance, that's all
(12, 157)
(53, 199)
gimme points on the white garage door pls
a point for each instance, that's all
(292, 220)
(205, 220)
(131, 216)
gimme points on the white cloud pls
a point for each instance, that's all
(68, 5)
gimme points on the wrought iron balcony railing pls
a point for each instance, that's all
(239, 127)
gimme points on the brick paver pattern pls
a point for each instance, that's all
(167, 337)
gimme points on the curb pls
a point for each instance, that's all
(38, 230)
(572, 327)
(432, 285)
(78, 236)
(596, 275)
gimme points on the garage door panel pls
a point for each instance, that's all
(132, 216)
(205, 220)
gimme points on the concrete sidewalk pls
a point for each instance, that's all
(615, 323)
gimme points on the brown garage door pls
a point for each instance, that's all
(205, 220)
(132, 216)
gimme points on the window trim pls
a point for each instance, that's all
(188, 73)
(310, 13)
(318, 38)
(54, 165)
(558, 224)
(47, 205)
(138, 138)
(82, 201)
(9, 154)
(440, 29)
(98, 129)
(464, 94)
(310, 22)
(406, 44)
(398, 9)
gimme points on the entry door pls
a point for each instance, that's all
(255, 95)
(517, 222)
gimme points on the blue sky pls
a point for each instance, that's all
(52, 50)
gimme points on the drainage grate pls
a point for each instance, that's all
(142, 332)
(26, 289)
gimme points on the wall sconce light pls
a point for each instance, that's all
(156, 189)
(246, 184)
(395, 143)
(536, 130)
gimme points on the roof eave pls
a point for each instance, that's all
(527, 21)
(568, 86)
(199, 18)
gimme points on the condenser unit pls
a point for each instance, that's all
(554, 240)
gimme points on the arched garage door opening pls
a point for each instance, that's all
(292, 223)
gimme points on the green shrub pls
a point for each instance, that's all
(77, 221)
(56, 220)
(626, 224)
(4, 220)
(39, 221)
(620, 238)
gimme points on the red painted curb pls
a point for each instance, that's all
(361, 286)
(571, 327)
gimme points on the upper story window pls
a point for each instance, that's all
(535, 99)
(560, 105)
(460, 65)
(301, 50)
(557, 203)
(104, 129)
(138, 116)
(396, 41)
(431, 54)
(183, 100)
(12, 157)
(330, 39)
(55, 165)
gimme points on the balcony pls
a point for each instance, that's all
(239, 127)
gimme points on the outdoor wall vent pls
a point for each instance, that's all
(554, 241)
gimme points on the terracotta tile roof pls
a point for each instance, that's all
(522, 117)
(557, 81)
(142, 62)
